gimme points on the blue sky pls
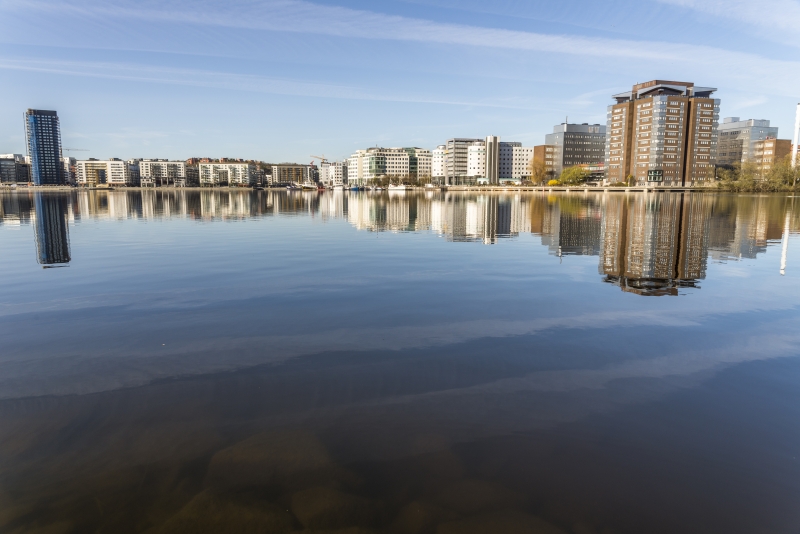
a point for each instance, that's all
(281, 80)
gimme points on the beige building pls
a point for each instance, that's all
(162, 172)
(94, 172)
(663, 133)
(546, 154)
(768, 152)
(224, 173)
(403, 163)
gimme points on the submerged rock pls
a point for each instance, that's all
(477, 496)
(212, 513)
(506, 522)
(325, 507)
(420, 517)
(292, 459)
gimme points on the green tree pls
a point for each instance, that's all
(574, 176)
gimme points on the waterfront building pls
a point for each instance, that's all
(43, 135)
(14, 169)
(663, 132)
(767, 152)
(456, 161)
(409, 163)
(70, 171)
(153, 172)
(546, 156)
(520, 167)
(737, 139)
(493, 161)
(333, 173)
(290, 173)
(576, 144)
(439, 163)
(114, 171)
(227, 173)
(476, 160)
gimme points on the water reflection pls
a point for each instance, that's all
(282, 375)
(52, 234)
(647, 244)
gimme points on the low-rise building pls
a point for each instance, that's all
(737, 139)
(70, 171)
(332, 173)
(493, 161)
(476, 160)
(576, 144)
(545, 155)
(160, 172)
(93, 172)
(409, 163)
(14, 169)
(767, 152)
(290, 173)
(227, 173)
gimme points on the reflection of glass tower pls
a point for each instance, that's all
(52, 239)
(654, 245)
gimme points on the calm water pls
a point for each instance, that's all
(399, 363)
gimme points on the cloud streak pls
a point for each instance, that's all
(224, 80)
(297, 16)
(777, 19)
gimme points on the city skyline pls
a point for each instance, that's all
(276, 81)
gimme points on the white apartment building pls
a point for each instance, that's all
(227, 173)
(333, 173)
(70, 170)
(161, 172)
(476, 159)
(490, 161)
(114, 171)
(439, 161)
(403, 163)
(521, 158)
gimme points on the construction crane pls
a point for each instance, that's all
(76, 149)
(322, 159)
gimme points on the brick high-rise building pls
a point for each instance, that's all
(662, 132)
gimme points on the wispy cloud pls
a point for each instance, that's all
(750, 70)
(225, 80)
(775, 19)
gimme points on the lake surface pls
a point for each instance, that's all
(404, 363)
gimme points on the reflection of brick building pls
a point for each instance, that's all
(653, 245)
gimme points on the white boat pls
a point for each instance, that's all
(338, 188)
(309, 185)
(400, 187)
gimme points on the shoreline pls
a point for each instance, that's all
(453, 188)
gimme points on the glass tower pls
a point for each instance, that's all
(44, 147)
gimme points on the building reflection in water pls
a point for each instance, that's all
(650, 244)
(51, 229)
(654, 244)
